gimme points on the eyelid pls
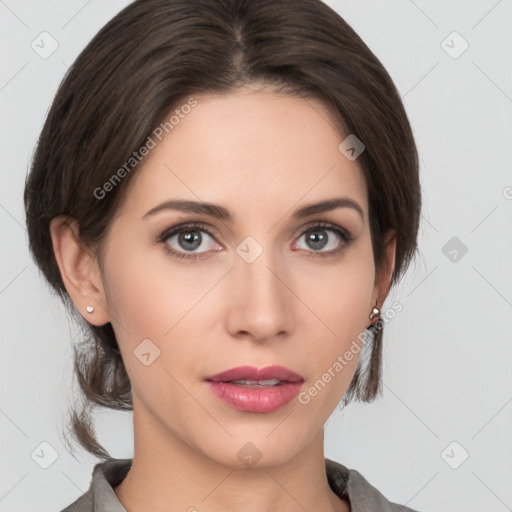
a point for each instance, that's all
(324, 224)
(187, 225)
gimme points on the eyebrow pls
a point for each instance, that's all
(222, 213)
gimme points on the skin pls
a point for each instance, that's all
(261, 156)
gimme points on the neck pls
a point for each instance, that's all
(167, 474)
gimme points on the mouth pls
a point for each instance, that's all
(256, 383)
(253, 389)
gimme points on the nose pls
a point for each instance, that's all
(260, 303)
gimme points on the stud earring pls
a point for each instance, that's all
(375, 312)
(89, 309)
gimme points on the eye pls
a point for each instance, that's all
(188, 241)
(325, 239)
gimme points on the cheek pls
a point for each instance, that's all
(149, 299)
(346, 301)
(340, 293)
(340, 298)
(148, 293)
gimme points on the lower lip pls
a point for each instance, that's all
(261, 399)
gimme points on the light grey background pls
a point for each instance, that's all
(448, 354)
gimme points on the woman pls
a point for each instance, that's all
(225, 191)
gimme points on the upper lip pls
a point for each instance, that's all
(253, 373)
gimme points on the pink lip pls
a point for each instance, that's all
(261, 399)
(253, 373)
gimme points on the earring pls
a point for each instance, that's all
(375, 312)
(89, 309)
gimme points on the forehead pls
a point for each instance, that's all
(257, 152)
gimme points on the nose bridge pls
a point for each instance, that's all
(260, 303)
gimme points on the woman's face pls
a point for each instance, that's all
(191, 294)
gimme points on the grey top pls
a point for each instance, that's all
(346, 483)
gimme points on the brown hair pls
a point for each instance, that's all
(138, 67)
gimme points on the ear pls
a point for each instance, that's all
(383, 277)
(79, 270)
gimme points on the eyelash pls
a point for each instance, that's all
(162, 238)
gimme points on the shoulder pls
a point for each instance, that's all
(101, 496)
(82, 504)
(350, 484)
